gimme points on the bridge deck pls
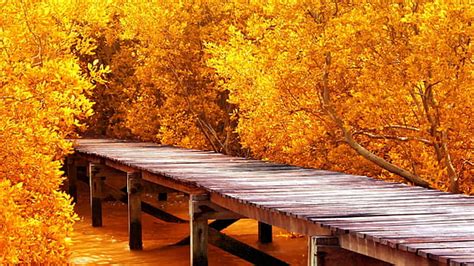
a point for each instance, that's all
(396, 223)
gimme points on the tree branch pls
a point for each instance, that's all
(402, 127)
(327, 106)
(201, 124)
(453, 176)
(393, 137)
(35, 37)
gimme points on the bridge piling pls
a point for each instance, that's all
(96, 184)
(134, 189)
(198, 230)
(264, 233)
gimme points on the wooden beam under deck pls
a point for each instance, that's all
(166, 182)
(279, 219)
(376, 250)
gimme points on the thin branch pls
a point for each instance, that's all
(327, 106)
(201, 124)
(213, 133)
(206, 135)
(35, 37)
(453, 176)
(426, 99)
(392, 137)
(16, 99)
(412, 128)
(465, 161)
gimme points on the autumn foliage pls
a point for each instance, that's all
(377, 89)
(381, 89)
(43, 97)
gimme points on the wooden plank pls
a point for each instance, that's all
(399, 226)
(392, 226)
(462, 261)
(445, 255)
(414, 247)
(402, 243)
(134, 188)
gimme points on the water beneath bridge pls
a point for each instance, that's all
(109, 244)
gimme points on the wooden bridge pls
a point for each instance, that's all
(370, 222)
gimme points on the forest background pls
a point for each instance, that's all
(379, 89)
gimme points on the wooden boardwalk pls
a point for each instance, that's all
(391, 222)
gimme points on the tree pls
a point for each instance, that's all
(399, 97)
(163, 91)
(42, 100)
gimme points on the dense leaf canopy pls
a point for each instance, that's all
(379, 89)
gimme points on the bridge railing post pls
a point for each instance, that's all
(198, 230)
(134, 189)
(95, 184)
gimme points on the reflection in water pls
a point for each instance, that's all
(109, 244)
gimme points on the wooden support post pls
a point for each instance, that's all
(162, 196)
(134, 188)
(71, 172)
(95, 184)
(198, 230)
(264, 233)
